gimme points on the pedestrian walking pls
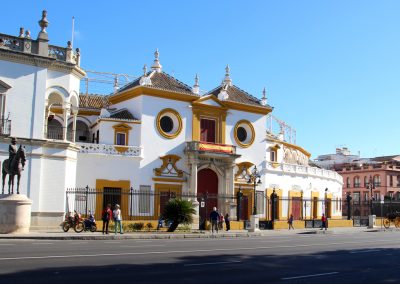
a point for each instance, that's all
(106, 216)
(221, 222)
(227, 222)
(290, 222)
(160, 223)
(214, 218)
(117, 219)
(323, 220)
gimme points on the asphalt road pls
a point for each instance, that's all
(364, 257)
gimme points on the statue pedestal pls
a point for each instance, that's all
(15, 214)
(371, 221)
(254, 223)
(196, 217)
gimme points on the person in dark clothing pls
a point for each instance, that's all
(214, 218)
(106, 216)
(227, 222)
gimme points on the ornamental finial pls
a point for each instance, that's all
(196, 86)
(156, 65)
(144, 70)
(264, 97)
(44, 23)
(227, 80)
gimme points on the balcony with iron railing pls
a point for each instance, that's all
(5, 127)
(210, 148)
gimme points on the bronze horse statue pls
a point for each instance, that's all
(16, 167)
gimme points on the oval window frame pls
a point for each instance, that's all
(176, 118)
(250, 132)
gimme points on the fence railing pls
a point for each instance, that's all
(361, 209)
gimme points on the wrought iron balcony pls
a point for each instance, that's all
(5, 127)
(197, 146)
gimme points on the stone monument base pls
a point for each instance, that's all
(15, 214)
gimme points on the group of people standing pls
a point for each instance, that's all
(116, 215)
(217, 220)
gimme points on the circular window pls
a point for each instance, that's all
(169, 123)
(244, 133)
(241, 134)
(166, 124)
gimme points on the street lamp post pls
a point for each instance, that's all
(371, 187)
(255, 179)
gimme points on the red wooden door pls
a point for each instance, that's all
(296, 208)
(207, 130)
(207, 192)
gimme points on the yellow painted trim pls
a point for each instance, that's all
(253, 133)
(169, 160)
(293, 193)
(248, 108)
(121, 128)
(209, 97)
(177, 115)
(249, 193)
(314, 194)
(152, 92)
(88, 112)
(122, 120)
(168, 179)
(101, 184)
(241, 166)
(163, 187)
(308, 154)
(218, 114)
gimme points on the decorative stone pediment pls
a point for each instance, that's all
(169, 167)
(242, 170)
(210, 100)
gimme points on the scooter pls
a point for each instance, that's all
(90, 223)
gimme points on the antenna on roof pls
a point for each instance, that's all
(72, 36)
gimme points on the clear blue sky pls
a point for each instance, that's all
(331, 68)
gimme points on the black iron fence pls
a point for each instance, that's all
(361, 209)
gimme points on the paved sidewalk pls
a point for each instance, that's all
(71, 235)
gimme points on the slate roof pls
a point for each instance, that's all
(122, 114)
(162, 81)
(4, 85)
(385, 158)
(93, 101)
(236, 95)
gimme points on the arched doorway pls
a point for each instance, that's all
(207, 193)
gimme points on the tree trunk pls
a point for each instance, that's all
(173, 226)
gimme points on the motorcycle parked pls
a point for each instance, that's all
(90, 223)
(73, 222)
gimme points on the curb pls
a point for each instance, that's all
(129, 236)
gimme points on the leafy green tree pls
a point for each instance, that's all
(178, 211)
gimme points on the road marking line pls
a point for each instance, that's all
(211, 263)
(143, 241)
(179, 251)
(366, 251)
(112, 242)
(42, 243)
(309, 276)
(7, 244)
(143, 246)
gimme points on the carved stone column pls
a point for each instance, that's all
(66, 114)
(75, 115)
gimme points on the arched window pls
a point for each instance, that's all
(377, 181)
(357, 181)
(348, 183)
(366, 182)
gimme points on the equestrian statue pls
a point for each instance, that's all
(14, 165)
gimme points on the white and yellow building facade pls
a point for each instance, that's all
(155, 134)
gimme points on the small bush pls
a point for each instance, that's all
(137, 226)
(149, 226)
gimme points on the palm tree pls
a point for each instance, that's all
(178, 211)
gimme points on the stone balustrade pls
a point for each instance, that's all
(303, 170)
(90, 148)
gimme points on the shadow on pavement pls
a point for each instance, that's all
(372, 265)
